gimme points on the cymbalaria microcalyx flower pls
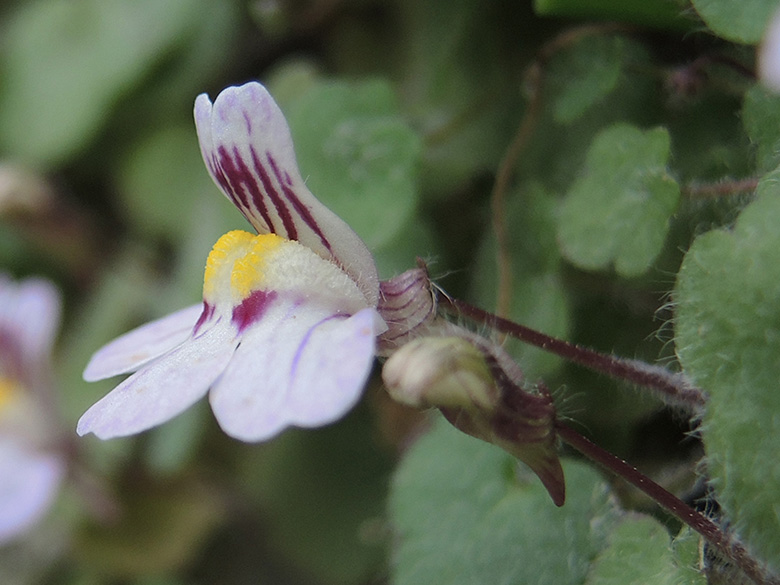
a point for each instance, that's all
(31, 469)
(286, 334)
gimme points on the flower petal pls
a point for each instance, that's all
(163, 388)
(139, 346)
(29, 481)
(299, 365)
(248, 150)
(30, 312)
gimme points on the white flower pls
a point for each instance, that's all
(31, 470)
(286, 334)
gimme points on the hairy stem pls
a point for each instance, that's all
(696, 520)
(720, 189)
(673, 388)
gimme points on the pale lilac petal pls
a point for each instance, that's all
(30, 312)
(299, 365)
(769, 55)
(139, 346)
(29, 482)
(163, 388)
(248, 150)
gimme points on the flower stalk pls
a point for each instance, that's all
(714, 535)
(673, 388)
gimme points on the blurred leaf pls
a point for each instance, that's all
(415, 240)
(591, 69)
(741, 22)
(657, 13)
(67, 61)
(321, 492)
(358, 155)
(162, 179)
(538, 296)
(639, 553)
(160, 528)
(557, 151)
(761, 118)
(172, 446)
(618, 211)
(728, 341)
(465, 514)
(290, 79)
(459, 80)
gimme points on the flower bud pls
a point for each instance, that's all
(443, 372)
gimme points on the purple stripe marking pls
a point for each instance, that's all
(208, 312)
(276, 200)
(305, 340)
(232, 178)
(300, 208)
(240, 182)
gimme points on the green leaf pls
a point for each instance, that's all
(465, 513)
(162, 179)
(322, 493)
(728, 341)
(761, 118)
(358, 155)
(415, 240)
(538, 297)
(67, 61)
(639, 553)
(657, 13)
(618, 212)
(160, 528)
(592, 71)
(454, 84)
(741, 22)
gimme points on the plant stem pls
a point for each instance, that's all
(720, 189)
(696, 520)
(673, 388)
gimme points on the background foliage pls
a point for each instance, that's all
(633, 154)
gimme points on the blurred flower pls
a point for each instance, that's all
(769, 55)
(31, 468)
(286, 334)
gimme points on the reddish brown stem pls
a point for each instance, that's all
(696, 520)
(720, 189)
(673, 388)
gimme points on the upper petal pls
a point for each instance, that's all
(29, 481)
(248, 150)
(299, 365)
(137, 347)
(163, 388)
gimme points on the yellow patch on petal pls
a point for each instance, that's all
(9, 390)
(242, 263)
(238, 259)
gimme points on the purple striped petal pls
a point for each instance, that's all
(300, 365)
(163, 388)
(139, 346)
(248, 150)
(29, 482)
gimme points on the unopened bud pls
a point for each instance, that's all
(443, 372)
